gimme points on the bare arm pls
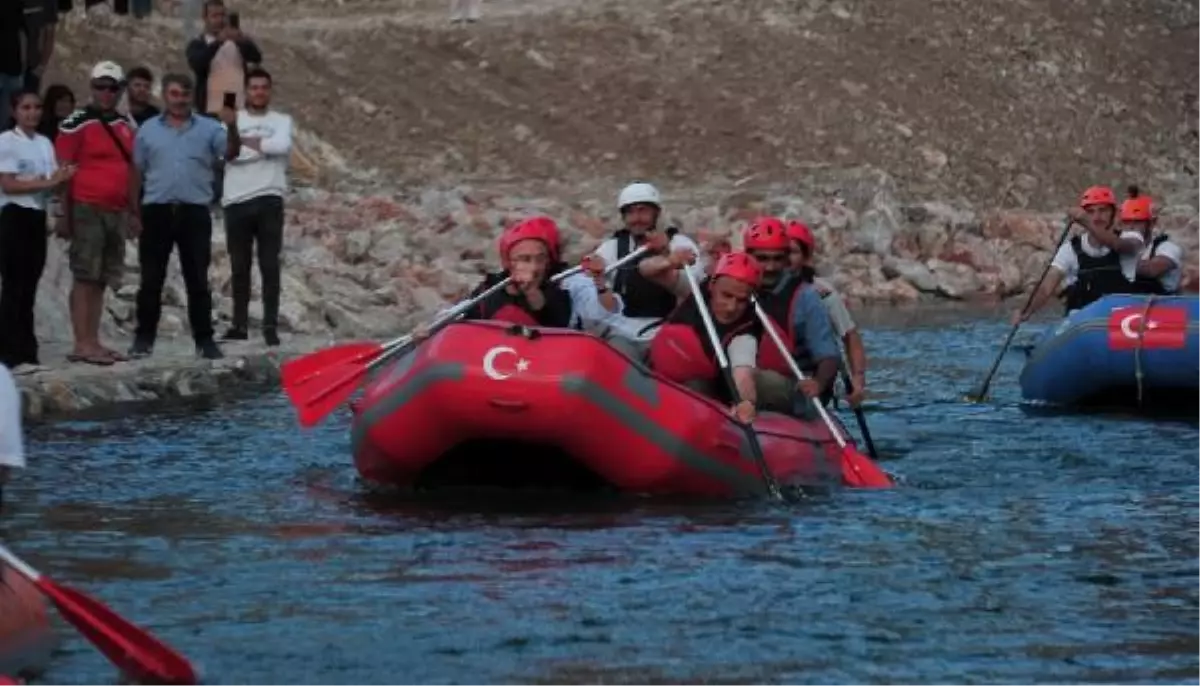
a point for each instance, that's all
(856, 354)
(11, 185)
(1125, 243)
(1047, 291)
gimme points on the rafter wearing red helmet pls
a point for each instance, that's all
(803, 258)
(1101, 261)
(1160, 265)
(795, 311)
(681, 350)
(527, 250)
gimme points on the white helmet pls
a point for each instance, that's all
(636, 193)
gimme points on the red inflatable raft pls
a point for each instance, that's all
(26, 636)
(491, 404)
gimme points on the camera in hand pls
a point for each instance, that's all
(234, 20)
(230, 100)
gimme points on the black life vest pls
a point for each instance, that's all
(1149, 285)
(504, 306)
(778, 303)
(642, 297)
(1097, 277)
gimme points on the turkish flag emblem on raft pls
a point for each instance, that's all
(1162, 328)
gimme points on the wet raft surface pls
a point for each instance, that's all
(1022, 549)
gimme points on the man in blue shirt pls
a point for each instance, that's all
(175, 153)
(796, 312)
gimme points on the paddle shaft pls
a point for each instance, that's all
(987, 380)
(756, 450)
(860, 417)
(787, 355)
(16, 563)
(392, 347)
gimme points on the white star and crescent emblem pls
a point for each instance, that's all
(493, 355)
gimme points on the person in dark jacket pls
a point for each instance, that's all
(202, 50)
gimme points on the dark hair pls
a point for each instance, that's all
(49, 124)
(182, 80)
(14, 101)
(139, 73)
(211, 3)
(1134, 191)
(258, 73)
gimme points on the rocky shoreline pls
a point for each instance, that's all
(174, 375)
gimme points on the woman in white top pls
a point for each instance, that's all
(28, 173)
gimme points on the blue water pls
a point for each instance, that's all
(1020, 549)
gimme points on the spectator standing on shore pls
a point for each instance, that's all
(255, 183)
(28, 173)
(219, 59)
(97, 208)
(12, 58)
(174, 154)
(57, 105)
(41, 22)
(139, 92)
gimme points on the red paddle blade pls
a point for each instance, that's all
(314, 400)
(859, 471)
(308, 367)
(132, 649)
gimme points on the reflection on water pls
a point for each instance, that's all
(1021, 549)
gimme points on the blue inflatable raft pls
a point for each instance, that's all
(1122, 351)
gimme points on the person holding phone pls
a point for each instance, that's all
(220, 57)
(255, 185)
(174, 154)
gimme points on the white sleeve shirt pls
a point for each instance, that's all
(12, 443)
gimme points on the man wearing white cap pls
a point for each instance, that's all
(651, 286)
(96, 210)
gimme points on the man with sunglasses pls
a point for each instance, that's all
(96, 207)
(795, 310)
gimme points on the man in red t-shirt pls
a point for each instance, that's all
(97, 210)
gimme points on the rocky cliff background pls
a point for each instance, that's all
(932, 144)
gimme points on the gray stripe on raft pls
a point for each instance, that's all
(664, 440)
(400, 396)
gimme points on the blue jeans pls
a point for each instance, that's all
(10, 85)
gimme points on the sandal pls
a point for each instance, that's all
(116, 356)
(98, 360)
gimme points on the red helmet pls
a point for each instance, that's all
(1098, 195)
(530, 229)
(766, 233)
(740, 266)
(550, 230)
(797, 231)
(1138, 208)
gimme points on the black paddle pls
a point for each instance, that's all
(723, 361)
(861, 417)
(980, 392)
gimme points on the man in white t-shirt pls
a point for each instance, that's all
(255, 185)
(1160, 264)
(12, 444)
(1094, 264)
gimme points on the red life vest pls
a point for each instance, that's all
(681, 350)
(778, 304)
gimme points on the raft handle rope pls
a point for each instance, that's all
(1138, 374)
